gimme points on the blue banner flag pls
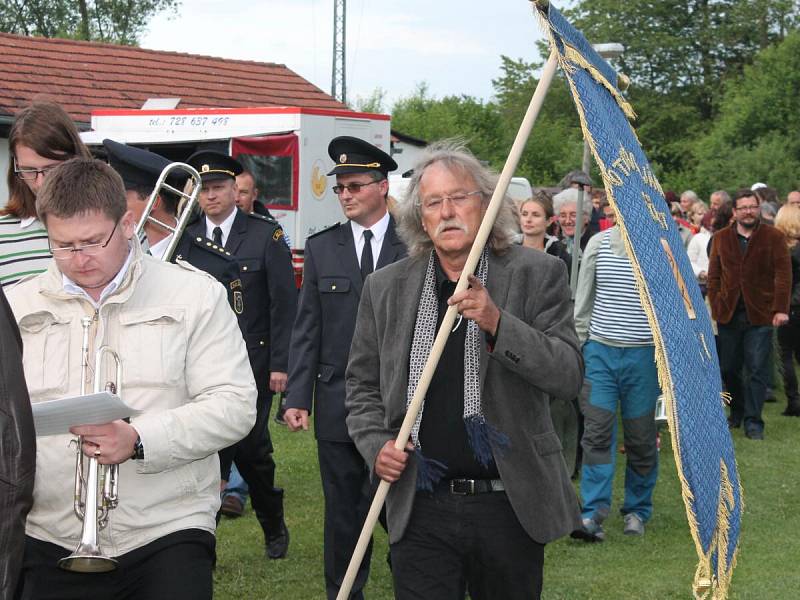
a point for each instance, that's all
(686, 356)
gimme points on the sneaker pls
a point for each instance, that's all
(590, 531)
(633, 525)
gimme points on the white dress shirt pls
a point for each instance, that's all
(378, 233)
(225, 226)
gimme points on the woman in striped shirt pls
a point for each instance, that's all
(42, 136)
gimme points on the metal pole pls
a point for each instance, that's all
(450, 316)
(576, 246)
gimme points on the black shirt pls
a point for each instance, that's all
(442, 434)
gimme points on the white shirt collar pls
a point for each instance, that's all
(157, 250)
(73, 288)
(378, 230)
(226, 226)
(27, 222)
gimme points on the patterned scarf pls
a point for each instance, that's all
(478, 432)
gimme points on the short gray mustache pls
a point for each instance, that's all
(451, 223)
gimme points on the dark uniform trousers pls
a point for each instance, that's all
(265, 303)
(321, 339)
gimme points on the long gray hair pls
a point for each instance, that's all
(456, 158)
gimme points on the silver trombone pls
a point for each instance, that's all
(188, 199)
(92, 500)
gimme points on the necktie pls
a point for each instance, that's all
(367, 265)
(218, 236)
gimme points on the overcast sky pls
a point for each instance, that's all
(454, 46)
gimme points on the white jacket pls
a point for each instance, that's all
(184, 366)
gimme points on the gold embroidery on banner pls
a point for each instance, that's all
(657, 216)
(687, 301)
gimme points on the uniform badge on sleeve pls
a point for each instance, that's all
(238, 297)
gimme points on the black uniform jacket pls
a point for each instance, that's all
(326, 318)
(269, 291)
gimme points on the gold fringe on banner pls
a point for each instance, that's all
(706, 585)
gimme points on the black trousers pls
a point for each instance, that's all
(454, 544)
(346, 487)
(174, 567)
(253, 458)
(789, 341)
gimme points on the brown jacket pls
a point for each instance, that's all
(17, 452)
(763, 275)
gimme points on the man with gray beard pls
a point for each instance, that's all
(486, 486)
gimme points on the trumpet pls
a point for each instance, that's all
(186, 205)
(96, 486)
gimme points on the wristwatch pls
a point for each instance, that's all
(138, 449)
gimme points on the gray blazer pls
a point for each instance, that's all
(536, 354)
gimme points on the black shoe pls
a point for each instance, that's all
(278, 544)
(792, 410)
(279, 416)
(754, 434)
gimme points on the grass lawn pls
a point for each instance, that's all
(659, 566)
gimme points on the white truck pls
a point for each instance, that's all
(286, 149)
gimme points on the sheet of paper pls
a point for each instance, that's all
(54, 417)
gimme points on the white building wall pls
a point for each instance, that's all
(3, 170)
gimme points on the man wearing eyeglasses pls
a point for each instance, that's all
(184, 363)
(482, 486)
(749, 289)
(270, 298)
(337, 260)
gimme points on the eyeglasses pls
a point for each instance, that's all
(87, 249)
(32, 174)
(752, 208)
(353, 188)
(435, 202)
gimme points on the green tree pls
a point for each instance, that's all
(681, 56)
(477, 122)
(374, 103)
(755, 137)
(115, 21)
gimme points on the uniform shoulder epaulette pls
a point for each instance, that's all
(270, 220)
(321, 231)
(209, 246)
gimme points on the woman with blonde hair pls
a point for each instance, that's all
(788, 221)
(42, 137)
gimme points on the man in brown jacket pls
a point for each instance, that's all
(749, 284)
(17, 451)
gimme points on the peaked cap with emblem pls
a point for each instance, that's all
(139, 168)
(354, 155)
(214, 166)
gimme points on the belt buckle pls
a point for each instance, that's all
(469, 492)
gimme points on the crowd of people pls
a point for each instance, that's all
(526, 392)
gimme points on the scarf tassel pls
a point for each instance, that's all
(429, 471)
(483, 437)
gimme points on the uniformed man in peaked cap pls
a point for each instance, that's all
(337, 260)
(140, 171)
(270, 298)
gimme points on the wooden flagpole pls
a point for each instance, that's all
(450, 316)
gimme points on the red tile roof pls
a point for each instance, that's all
(83, 76)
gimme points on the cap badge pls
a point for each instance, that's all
(205, 168)
(343, 158)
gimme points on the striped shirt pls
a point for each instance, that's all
(24, 249)
(617, 315)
